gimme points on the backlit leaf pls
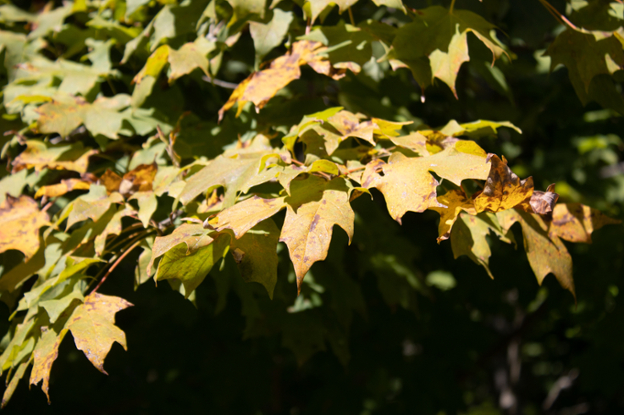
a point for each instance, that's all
(92, 325)
(20, 221)
(503, 189)
(313, 209)
(575, 222)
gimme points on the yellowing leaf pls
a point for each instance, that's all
(255, 254)
(441, 48)
(406, 184)
(110, 180)
(60, 117)
(261, 86)
(20, 221)
(456, 202)
(40, 155)
(139, 179)
(93, 326)
(546, 252)
(189, 254)
(67, 185)
(92, 205)
(503, 189)
(445, 65)
(468, 237)
(246, 214)
(575, 222)
(44, 355)
(585, 56)
(348, 125)
(313, 209)
(231, 173)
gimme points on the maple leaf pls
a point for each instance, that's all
(40, 155)
(246, 214)
(92, 325)
(503, 189)
(66, 185)
(540, 202)
(313, 208)
(44, 355)
(442, 46)
(455, 202)
(575, 222)
(255, 254)
(585, 56)
(92, 205)
(235, 173)
(407, 184)
(189, 254)
(546, 252)
(20, 221)
(468, 237)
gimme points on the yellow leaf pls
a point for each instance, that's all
(20, 221)
(44, 355)
(59, 189)
(93, 326)
(313, 209)
(456, 202)
(246, 214)
(40, 155)
(575, 222)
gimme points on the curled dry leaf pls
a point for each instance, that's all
(20, 221)
(540, 202)
(503, 188)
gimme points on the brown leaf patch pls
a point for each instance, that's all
(503, 189)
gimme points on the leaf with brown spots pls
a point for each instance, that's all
(575, 222)
(41, 155)
(407, 184)
(93, 326)
(44, 355)
(188, 255)
(20, 221)
(246, 214)
(455, 202)
(349, 125)
(503, 189)
(546, 252)
(314, 207)
(60, 117)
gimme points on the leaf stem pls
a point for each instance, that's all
(452, 7)
(117, 262)
(351, 16)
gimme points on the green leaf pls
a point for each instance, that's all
(268, 36)
(255, 254)
(189, 254)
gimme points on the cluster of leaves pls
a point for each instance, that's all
(197, 187)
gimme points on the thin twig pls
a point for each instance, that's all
(351, 17)
(218, 82)
(117, 262)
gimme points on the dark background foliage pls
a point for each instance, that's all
(452, 342)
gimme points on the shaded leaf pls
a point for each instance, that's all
(44, 355)
(255, 254)
(575, 222)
